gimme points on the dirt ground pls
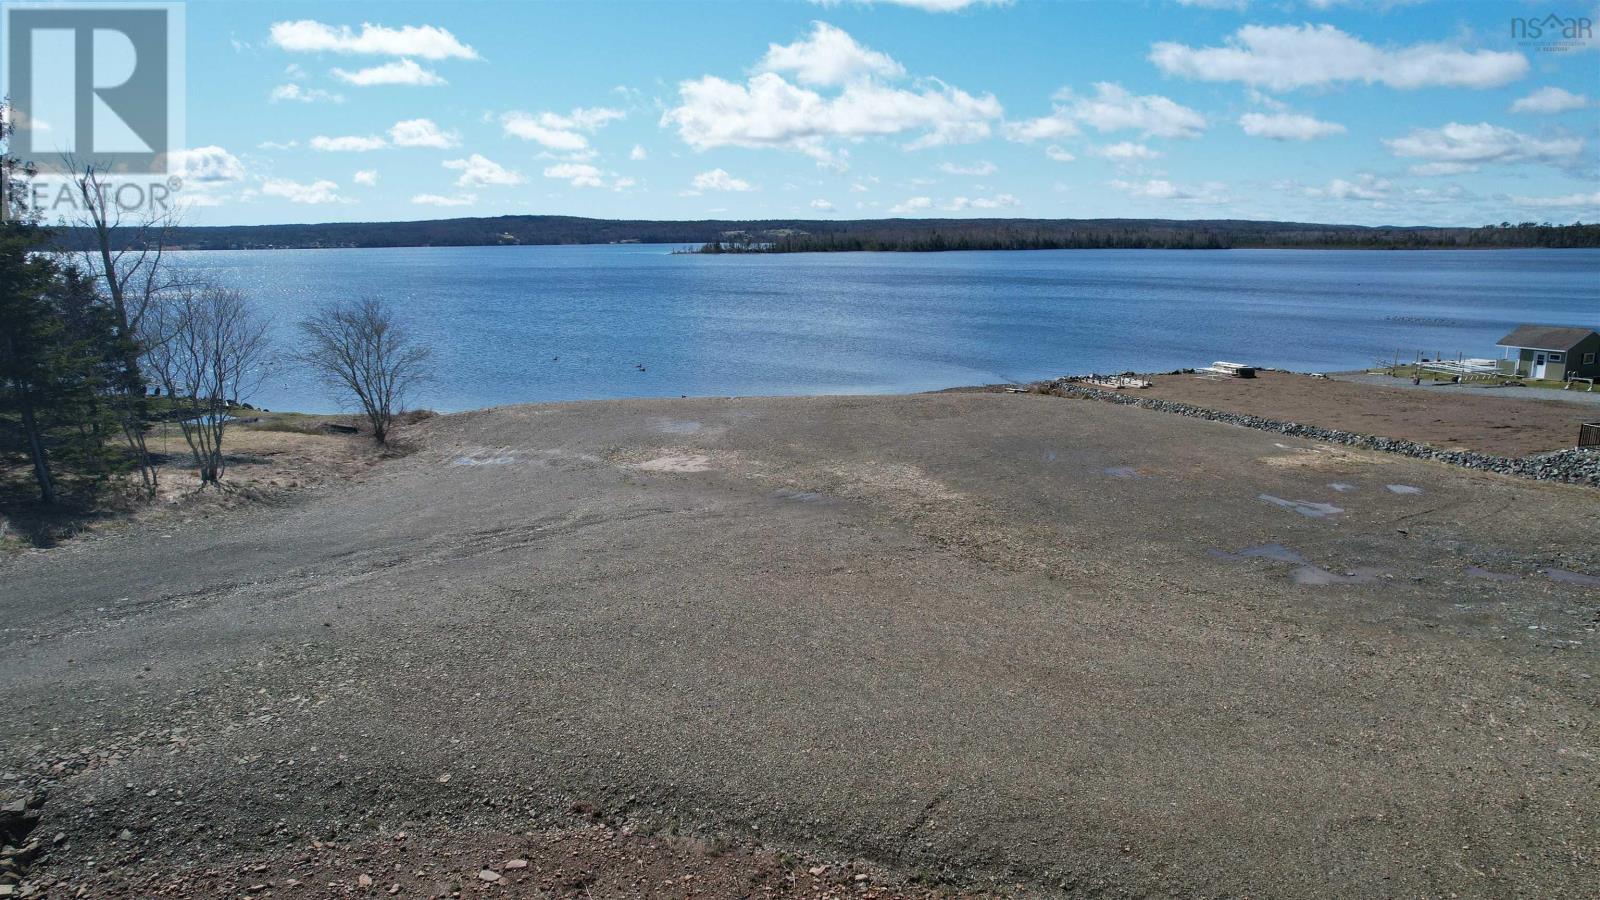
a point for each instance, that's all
(1448, 420)
(267, 459)
(581, 861)
(974, 640)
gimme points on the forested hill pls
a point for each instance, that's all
(797, 235)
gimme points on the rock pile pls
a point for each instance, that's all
(19, 817)
(1573, 466)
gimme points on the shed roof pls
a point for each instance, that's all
(1545, 337)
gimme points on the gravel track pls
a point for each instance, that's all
(972, 639)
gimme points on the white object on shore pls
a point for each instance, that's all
(1230, 369)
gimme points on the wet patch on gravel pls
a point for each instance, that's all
(1304, 573)
(1315, 576)
(1122, 472)
(1311, 509)
(1566, 576)
(1490, 575)
(1403, 489)
(1342, 487)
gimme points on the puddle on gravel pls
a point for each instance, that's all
(1304, 572)
(801, 496)
(1318, 577)
(1403, 489)
(1049, 456)
(1488, 575)
(1566, 576)
(1342, 487)
(1122, 472)
(1308, 508)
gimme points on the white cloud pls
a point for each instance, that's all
(1162, 189)
(1000, 201)
(1058, 154)
(349, 143)
(368, 177)
(528, 128)
(585, 175)
(638, 153)
(1442, 168)
(422, 133)
(720, 180)
(911, 204)
(298, 94)
(1549, 100)
(1473, 145)
(560, 132)
(480, 171)
(1286, 126)
(401, 71)
(1365, 187)
(980, 169)
(828, 56)
(1284, 57)
(1058, 124)
(580, 174)
(442, 200)
(823, 205)
(1563, 202)
(425, 41)
(770, 112)
(207, 165)
(1127, 151)
(1112, 108)
(317, 192)
(1380, 193)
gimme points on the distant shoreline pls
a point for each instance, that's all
(902, 235)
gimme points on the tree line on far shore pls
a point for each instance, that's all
(949, 235)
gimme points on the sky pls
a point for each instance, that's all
(1309, 110)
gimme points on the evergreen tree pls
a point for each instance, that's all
(34, 369)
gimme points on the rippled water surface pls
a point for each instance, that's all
(520, 324)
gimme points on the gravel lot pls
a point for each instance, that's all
(980, 640)
(1447, 417)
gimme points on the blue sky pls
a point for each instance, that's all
(1364, 112)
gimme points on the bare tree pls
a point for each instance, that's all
(208, 347)
(362, 350)
(126, 251)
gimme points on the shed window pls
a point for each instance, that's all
(1588, 359)
(1555, 357)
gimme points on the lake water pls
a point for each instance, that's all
(522, 324)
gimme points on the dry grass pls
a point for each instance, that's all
(278, 454)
